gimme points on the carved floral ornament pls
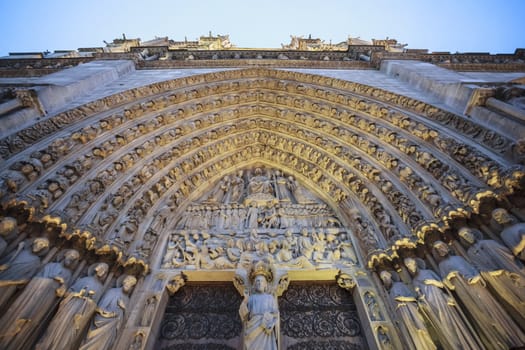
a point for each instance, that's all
(133, 160)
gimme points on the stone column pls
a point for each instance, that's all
(381, 333)
(150, 302)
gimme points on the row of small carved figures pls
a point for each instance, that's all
(254, 218)
(221, 251)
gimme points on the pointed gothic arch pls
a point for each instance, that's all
(398, 172)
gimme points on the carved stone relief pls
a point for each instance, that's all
(258, 213)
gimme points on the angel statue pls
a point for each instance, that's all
(259, 311)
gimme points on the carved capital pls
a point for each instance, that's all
(345, 281)
(175, 283)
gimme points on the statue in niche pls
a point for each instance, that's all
(513, 234)
(109, 316)
(149, 311)
(75, 311)
(22, 321)
(494, 324)
(373, 307)
(20, 266)
(503, 272)
(405, 304)
(441, 310)
(259, 310)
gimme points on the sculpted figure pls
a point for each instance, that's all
(259, 310)
(109, 316)
(20, 325)
(405, 303)
(513, 234)
(441, 310)
(504, 273)
(75, 311)
(495, 326)
(20, 267)
(8, 228)
(259, 186)
(237, 188)
(282, 187)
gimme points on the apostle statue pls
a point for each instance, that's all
(8, 229)
(441, 310)
(66, 329)
(20, 266)
(500, 268)
(109, 316)
(405, 303)
(495, 326)
(259, 310)
(20, 325)
(513, 233)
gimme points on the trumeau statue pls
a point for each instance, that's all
(109, 316)
(23, 320)
(259, 310)
(488, 316)
(405, 303)
(75, 311)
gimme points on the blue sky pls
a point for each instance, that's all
(496, 26)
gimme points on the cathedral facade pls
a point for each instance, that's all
(194, 195)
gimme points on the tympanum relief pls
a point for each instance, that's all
(254, 214)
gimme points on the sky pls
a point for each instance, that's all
(495, 26)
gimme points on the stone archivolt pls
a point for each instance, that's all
(118, 160)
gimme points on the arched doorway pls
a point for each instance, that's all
(116, 176)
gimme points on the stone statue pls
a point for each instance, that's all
(405, 303)
(8, 228)
(441, 310)
(503, 272)
(513, 234)
(149, 311)
(489, 255)
(75, 311)
(259, 310)
(236, 189)
(109, 316)
(20, 267)
(492, 322)
(259, 183)
(282, 187)
(20, 325)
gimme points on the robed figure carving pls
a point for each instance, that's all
(259, 309)
(22, 322)
(488, 316)
(109, 316)
(500, 268)
(20, 266)
(74, 312)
